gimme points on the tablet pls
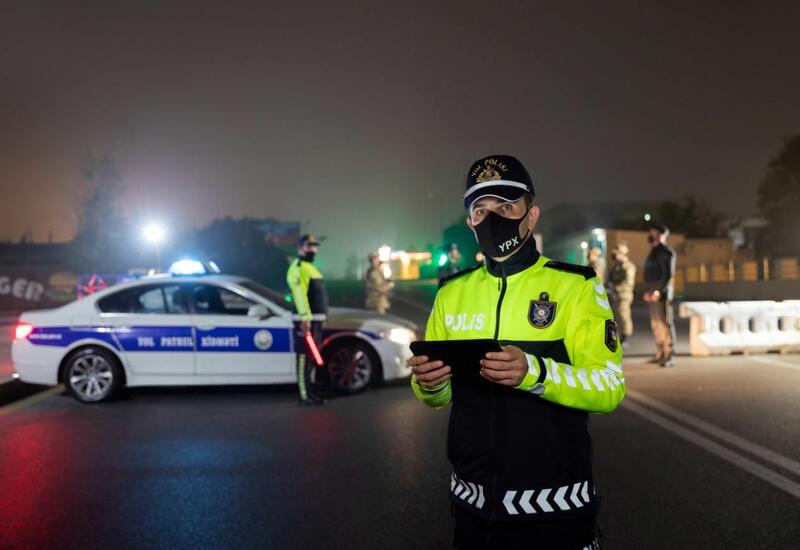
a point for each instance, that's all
(457, 354)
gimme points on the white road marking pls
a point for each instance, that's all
(746, 464)
(743, 444)
(775, 362)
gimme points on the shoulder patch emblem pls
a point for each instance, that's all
(612, 342)
(584, 270)
(542, 312)
(449, 278)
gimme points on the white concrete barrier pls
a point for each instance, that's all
(710, 331)
(722, 328)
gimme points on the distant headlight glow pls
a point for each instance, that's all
(402, 336)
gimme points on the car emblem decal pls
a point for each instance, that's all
(542, 312)
(263, 339)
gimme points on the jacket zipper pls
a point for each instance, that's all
(503, 286)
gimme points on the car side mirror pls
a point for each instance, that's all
(259, 311)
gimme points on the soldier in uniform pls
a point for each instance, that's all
(310, 301)
(518, 438)
(377, 286)
(621, 280)
(594, 259)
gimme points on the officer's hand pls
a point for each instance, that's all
(646, 296)
(429, 373)
(507, 367)
(305, 326)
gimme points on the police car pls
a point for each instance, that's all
(168, 330)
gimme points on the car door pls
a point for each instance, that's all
(154, 328)
(234, 346)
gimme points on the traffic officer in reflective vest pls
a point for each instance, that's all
(518, 438)
(310, 307)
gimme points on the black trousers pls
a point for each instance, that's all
(473, 533)
(305, 360)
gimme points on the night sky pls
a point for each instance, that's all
(362, 118)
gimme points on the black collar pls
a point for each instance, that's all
(522, 260)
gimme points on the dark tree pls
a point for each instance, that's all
(103, 241)
(691, 218)
(239, 247)
(779, 202)
(686, 216)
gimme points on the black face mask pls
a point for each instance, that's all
(499, 236)
(308, 256)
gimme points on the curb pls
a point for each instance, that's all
(13, 390)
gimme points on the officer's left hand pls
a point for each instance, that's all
(507, 367)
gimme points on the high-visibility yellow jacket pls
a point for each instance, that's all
(308, 290)
(524, 453)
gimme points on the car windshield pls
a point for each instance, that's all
(272, 295)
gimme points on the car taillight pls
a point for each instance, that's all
(22, 331)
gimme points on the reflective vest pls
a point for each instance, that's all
(308, 290)
(524, 453)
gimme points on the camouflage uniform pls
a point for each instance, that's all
(621, 279)
(378, 288)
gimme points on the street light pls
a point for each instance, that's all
(647, 216)
(153, 233)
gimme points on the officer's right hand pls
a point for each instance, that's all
(305, 326)
(429, 373)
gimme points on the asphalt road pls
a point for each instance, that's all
(705, 455)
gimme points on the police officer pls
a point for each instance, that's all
(518, 437)
(659, 276)
(621, 279)
(310, 307)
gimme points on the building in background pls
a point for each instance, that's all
(34, 275)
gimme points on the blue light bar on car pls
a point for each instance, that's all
(187, 267)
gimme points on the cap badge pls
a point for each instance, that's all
(488, 174)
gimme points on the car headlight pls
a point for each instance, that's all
(401, 336)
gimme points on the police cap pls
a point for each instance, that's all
(500, 176)
(308, 238)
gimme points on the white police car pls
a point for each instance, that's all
(194, 330)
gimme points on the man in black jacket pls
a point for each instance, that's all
(659, 276)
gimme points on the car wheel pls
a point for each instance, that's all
(92, 375)
(352, 366)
